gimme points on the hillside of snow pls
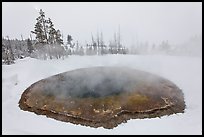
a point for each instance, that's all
(185, 72)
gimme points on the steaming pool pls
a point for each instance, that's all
(103, 96)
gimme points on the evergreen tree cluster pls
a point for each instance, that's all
(45, 31)
(13, 49)
(48, 40)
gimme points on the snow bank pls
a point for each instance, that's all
(185, 72)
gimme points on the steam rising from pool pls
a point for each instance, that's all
(103, 96)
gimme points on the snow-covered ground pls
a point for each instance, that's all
(185, 72)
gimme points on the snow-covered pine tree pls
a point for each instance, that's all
(51, 31)
(69, 45)
(11, 51)
(7, 53)
(69, 39)
(30, 46)
(48, 39)
(58, 37)
(45, 31)
(4, 51)
(40, 30)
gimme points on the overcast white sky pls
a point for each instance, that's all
(152, 22)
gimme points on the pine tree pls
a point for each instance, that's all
(4, 55)
(51, 32)
(11, 51)
(43, 21)
(58, 37)
(47, 37)
(30, 46)
(8, 56)
(45, 31)
(69, 39)
(40, 30)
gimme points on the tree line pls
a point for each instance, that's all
(48, 44)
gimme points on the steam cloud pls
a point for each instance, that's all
(98, 82)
